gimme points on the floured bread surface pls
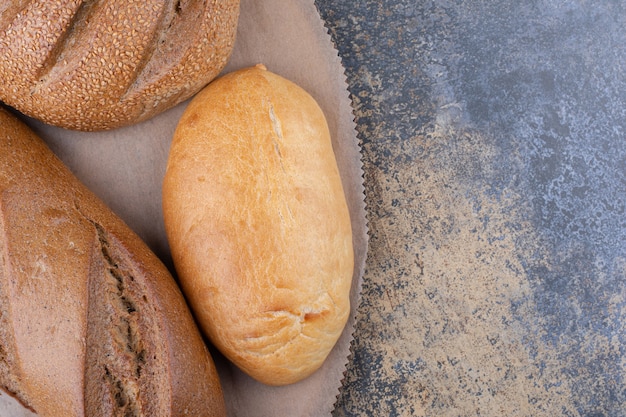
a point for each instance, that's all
(93, 65)
(258, 224)
(91, 323)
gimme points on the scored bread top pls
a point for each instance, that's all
(101, 64)
(91, 322)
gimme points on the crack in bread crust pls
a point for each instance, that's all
(122, 340)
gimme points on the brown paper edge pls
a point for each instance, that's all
(125, 167)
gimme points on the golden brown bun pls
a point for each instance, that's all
(93, 65)
(91, 323)
(258, 224)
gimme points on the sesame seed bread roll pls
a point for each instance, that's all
(95, 65)
(259, 225)
(91, 322)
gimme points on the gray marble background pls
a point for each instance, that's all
(495, 167)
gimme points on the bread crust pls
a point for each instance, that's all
(102, 64)
(258, 224)
(91, 322)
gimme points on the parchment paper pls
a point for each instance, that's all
(125, 167)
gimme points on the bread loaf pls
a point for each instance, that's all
(93, 65)
(91, 323)
(258, 224)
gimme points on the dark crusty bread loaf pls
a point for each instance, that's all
(258, 224)
(91, 322)
(92, 65)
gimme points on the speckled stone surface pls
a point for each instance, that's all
(494, 145)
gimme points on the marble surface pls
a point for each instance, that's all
(495, 167)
